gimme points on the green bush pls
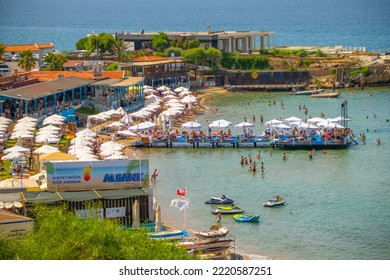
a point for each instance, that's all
(61, 235)
(364, 70)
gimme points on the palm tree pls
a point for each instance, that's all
(119, 47)
(27, 61)
(2, 51)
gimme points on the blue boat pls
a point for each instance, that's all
(246, 218)
(174, 234)
(220, 200)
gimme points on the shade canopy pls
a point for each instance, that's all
(220, 124)
(244, 125)
(191, 125)
(142, 126)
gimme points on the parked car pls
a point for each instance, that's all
(16, 57)
(8, 57)
(4, 70)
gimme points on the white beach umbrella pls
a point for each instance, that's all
(116, 124)
(308, 126)
(244, 125)
(334, 125)
(292, 119)
(121, 111)
(53, 119)
(189, 99)
(86, 132)
(273, 122)
(163, 88)
(315, 120)
(27, 118)
(49, 128)
(127, 120)
(149, 91)
(126, 133)
(13, 156)
(5, 120)
(142, 126)
(220, 124)
(282, 126)
(46, 149)
(22, 134)
(53, 122)
(180, 89)
(191, 125)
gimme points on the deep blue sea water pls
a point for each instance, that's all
(337, 203)
(350, 23)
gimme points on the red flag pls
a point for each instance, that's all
(181, 192)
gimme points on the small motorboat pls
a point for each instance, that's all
(174, 234)
(220, 200)
(233, 209)
(213, 233)
(246, 218)
(325, 95)
(277, 201)
(307, 92)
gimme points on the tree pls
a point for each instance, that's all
(2, 50)
(56, 61)
(27, 61)
(213, 55)
(112, 67)
(119, 47)
(176, 51)
(194, 44)
(160, 42)
(60, 235)
(196, 56)
(80, 44)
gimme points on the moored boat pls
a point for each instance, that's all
(326, 95)
(205, 245)
(174, 234)
(278, 201)
(307, 92)
(246, 218)
(234, 209)
(213, 233)
(220, 200)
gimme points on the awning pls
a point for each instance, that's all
(42, 197)
(79, 196)
(118, 194)
(129, 82)
(51, 197)
(105, 82)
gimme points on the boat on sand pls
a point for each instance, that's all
(213, 233)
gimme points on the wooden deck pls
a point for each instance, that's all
(265, 87)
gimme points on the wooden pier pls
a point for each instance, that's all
(265, 87)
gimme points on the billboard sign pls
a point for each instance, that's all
(97, 175)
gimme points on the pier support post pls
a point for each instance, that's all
(212, 145)
(254, 143)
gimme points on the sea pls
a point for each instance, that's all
(349, 23)
(337, 203)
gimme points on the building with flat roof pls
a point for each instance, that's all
(225, 41)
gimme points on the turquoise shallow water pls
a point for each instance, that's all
(337, 204)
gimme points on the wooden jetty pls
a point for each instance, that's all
(265, 87)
